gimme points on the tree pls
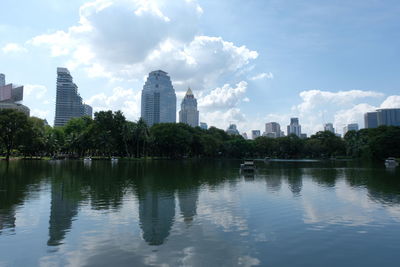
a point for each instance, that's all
(13, 125)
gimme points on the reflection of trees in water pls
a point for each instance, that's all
(383, 185)
(17, 179)
(324, 176)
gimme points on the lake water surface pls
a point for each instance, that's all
(198, 213)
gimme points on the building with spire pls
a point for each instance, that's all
(158, 99)
(189, 113)
(68, 101)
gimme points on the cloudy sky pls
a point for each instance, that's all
(248, 62)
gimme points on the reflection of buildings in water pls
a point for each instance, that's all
(295, 181)
(61, 214)
(274, 182)
(156, 215)
(188, 203)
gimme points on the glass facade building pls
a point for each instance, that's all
(388, 116)
(87, 110)
(68, 101)
(158, 99)
(189, 113)
(371, 120)
(294, 127)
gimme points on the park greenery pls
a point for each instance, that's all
(111, 134)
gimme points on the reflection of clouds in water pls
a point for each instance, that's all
(248, 261)
(223, 209)
(352, 207)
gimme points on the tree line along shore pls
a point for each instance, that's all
(111, 134)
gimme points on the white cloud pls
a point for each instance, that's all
(14, 48)
(224, 97)
(391, 102)
(352, 115)
(315, 98)
(39, 113)
(126, 100)
(127, 39)
(263, 75)
(34, 91)
(222, 119)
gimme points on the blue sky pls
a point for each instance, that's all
(248, 62)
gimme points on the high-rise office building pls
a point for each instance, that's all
(371, 120)
(2, 79)
(189, 113)
(388, 116)
(158, 99)
(11, 96)
(255, 134)
(68, 101)
(294, 127)
(203, 125)
(329, 127)
(350, 127)
(87, 110)
(383, 116)
(272, 129)
(232, 130)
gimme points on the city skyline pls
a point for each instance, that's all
(276, 65)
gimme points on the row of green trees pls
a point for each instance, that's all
(110, 134)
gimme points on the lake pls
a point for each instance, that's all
(198, 213)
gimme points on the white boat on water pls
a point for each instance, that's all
(248, 165)
(87, 159)
(114, 159)
(391, 163)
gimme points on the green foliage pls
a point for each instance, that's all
(14, 127)
(110, 134)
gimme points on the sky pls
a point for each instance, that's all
(247, 62)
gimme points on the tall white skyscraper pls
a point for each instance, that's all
(329, 127)
(189, 113)
(294, 127)
(272, 129)
(158, 99)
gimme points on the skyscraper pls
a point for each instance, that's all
(68, 101)
(272, 129)
(158, 99)
(371, 120)
(329, 127)
(255, 134)
(294, 127)
(203, 125)
(189, 113)
(350, 127)
(232, 130)
(388, 116)
(87, 110)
